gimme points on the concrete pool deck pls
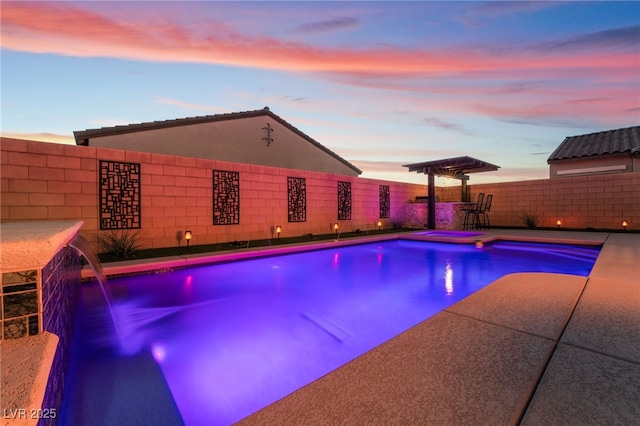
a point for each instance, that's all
(527, 349)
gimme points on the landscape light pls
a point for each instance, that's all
(278, 230)
(625, 224)
(335, 227)
(187, 236)
(558, 222)
(379, 224)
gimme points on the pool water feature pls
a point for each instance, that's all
(84, 247)
(224, 341)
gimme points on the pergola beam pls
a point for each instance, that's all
(456, 168)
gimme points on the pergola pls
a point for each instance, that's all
(456, 168)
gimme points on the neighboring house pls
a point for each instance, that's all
(253, 137)
(611, 151)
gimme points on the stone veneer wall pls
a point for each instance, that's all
(20, 313)
(60, 294)
(44, 299)
(448, 215)
(27, 307)
(169, 195)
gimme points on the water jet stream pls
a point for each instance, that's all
(83, 246)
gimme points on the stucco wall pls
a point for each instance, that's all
(621, 163)
(239, 141)
(42, 181)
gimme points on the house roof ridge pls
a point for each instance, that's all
(144, 125)
(82, 136)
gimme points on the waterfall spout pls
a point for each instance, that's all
(83, 246)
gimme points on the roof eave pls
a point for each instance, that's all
(624, 153)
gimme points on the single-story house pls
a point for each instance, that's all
(252, 137)
(610, 151)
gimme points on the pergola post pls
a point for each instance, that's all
(464, 192)
(431, 209)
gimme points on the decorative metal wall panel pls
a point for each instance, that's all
(385, 202)
(119, 195)
(297, 199)
(344, 200)
(226, 198)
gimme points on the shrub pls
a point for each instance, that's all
(396, 223)
(531, 221)
(123, 244)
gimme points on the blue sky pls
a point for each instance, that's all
(380, 83)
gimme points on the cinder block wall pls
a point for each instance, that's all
(45, 181)
(580, 202)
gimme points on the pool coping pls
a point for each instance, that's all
(141, 266)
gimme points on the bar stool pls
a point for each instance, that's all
(483, 215)
(471, 213)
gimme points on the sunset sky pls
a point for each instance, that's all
(380, 83)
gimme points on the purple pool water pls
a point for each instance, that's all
(214, 344)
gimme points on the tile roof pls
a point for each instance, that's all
(616, 141)
(82, 136)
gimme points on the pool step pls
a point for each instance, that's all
(334, 330)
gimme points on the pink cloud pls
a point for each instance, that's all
(554, 82)
(70, 30)
(605, 108)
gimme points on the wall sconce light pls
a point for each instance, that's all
(625, 224)
(379, 224)
(335, 227)
(187, 236)
(278, 230)
(558, 222)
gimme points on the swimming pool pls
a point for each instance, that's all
(214, 344)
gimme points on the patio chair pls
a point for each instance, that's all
(471, 213)
(483, 214)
